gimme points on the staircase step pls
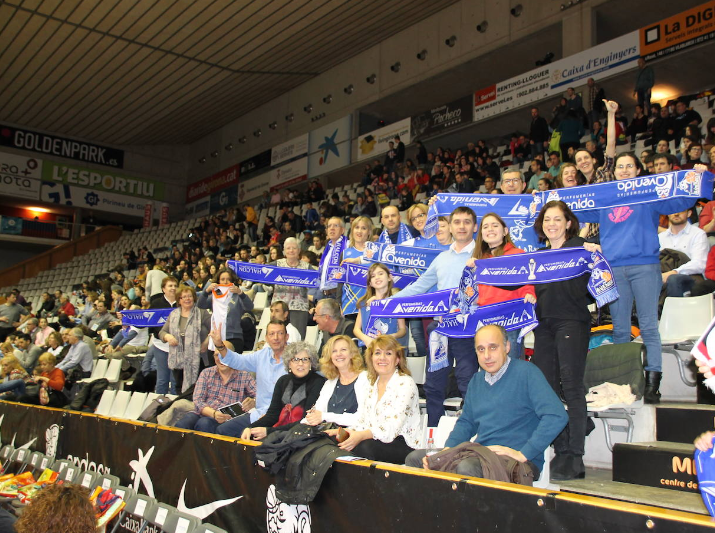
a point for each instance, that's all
(683, 422)
(666, 465)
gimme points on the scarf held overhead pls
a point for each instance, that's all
(329, 266)
(399, 256)
(274, 275)
(545, 266)
(145, 318)
(357, 275)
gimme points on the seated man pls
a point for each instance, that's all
(79, 354)
(280, 311)
(218, 386)
(684, 237)
(26, 352)
(330, 320)
(98, 320)
(509, 405)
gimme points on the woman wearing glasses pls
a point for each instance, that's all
(629, 241)
(294, 395)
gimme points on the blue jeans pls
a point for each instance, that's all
(235, 426)
(16, 386)
(197, 422)
(165, 383)
(641, 283)
(418, 334)
(677, 284)
(515, 347)
(436, 382)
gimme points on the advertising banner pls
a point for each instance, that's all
(60, 146)
(513, 93)
(254, 188)
(199, 208)
(441, 119)
(678, 32)
(148, 215)
(329, 147)
(11, 225)
(254, 164)
(223, 199)
(289, 150)
(102, 180)
(606, 59)
(207, 186)
(289, 174)
(62, 194)
(376, 142)
(164, 220)
(20, 176)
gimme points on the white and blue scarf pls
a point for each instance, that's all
(145, 318)
(274, 275)
(404, 235)
(329, 266)
(396, 255)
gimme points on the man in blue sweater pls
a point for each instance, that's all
(509, 406)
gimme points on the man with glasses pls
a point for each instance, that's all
(331, 321)
(266, 364)
(512, 182)
(79, 354)
(334, 231)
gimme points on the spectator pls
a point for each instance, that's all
(512, 182)
(48, 305)
(639, 124)
(318, 243)
(690, 240)
(251, 221)
(297, 298)
(555, 160)
(558, 113)
(538, 133)
(14, 377)
(393, 230)
(78, 356)
(684, 117)
(56, 345)
(509, 406)
(569, 177)
(51, 380)
(330, 321)
(706, 285)
(692, 156)
(158, 349)
(154, 280)
(645, 79)
(228, 308)
(186, 332)
(266, 364)
(594, 102)
(10, 315)
(26, 352)
(538, 172)
(43, 332)
(360, 232)
(390, 157)
(421, 156)
(281, 313)
(379, 287)
(571, 129)
(490, 186)
(328, 287)
(399, 150)
(573, 101)
(99, 320)
(59, 507)
(295, 392)
(218, 386)
(388, 422)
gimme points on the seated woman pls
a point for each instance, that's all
(51, 381)
(295, 393)
(388, 425)
(346, 387)
(13, 376)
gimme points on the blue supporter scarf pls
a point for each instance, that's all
(330, 260)
(396, 255)
(705, 469)
(145, 318)
(545, 266)
(357, 275)
(403, 236)
(430, 304)
(273, 275)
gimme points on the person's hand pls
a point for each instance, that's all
(246, 434)
(355, 260)
(425, 464)
(109, 349)
(700, 168)
(509, 452)
(470, 262)
(611, 106)
(705, 441)
(171, 340)
(216, 335)
(530, 298)
(258, 433)
(4, 319)
(221, 417)
(355, 438)
(665, 275)
(331, 432)
(248, 404)
(210, 287)
(314, 417)
(234, 290)
(589, 246)
(704, 369)
(432, 200)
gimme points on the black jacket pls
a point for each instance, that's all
(313, 385)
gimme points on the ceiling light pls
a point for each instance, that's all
(214, 153)
(349, 89)
(243, 140)
(328, 99)
(308, 108)
(257, 133)
(229, 147)
(38, 209)
(451, 41)
(422, 55)
(396, 67)
(371, 79)
(202, 160)
(482, 26)
(290, 117)
(273, 125)
(516, 10)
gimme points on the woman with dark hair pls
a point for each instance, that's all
(275, 253)
(692, 156)
(493, 240)
(228, 303)
(561, 339)
(629, 240)
(59, 508)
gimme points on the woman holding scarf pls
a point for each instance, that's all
(360, 233)
(561, 339)
(493, 240)
(296, 297)
(186, 331)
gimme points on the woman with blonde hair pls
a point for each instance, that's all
(346, 385)
(14, 377)
(51, 381)
(388, 421)
(360, 233)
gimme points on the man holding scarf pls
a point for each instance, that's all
(445, 272)
(330, 260)
(394, 231)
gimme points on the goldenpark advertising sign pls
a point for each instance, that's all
(44, 143)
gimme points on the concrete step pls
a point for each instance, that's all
(683, 422)
(666, 465)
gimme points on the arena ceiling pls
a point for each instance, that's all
(132, 72)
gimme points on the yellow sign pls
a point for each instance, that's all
(678, 32)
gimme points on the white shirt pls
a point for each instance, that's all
(293, 334)
(693, 242)
(153, 282)
(396, 414)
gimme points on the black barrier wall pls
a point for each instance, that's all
(217, 480)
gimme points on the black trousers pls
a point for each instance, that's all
(560, 348)
(387, 452)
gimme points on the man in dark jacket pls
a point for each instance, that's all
(538, 133)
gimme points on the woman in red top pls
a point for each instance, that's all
(51, 381)
(493, 240)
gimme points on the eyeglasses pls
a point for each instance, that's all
(629, 166)
(511, 181)
(300, 360)
(417, 217)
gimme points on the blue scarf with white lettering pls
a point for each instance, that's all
(272, 275)
(145, 318)
(396, 255)
(357, 275)
(545, 266)
(403, 236)
(329, 266)
(430, 304)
